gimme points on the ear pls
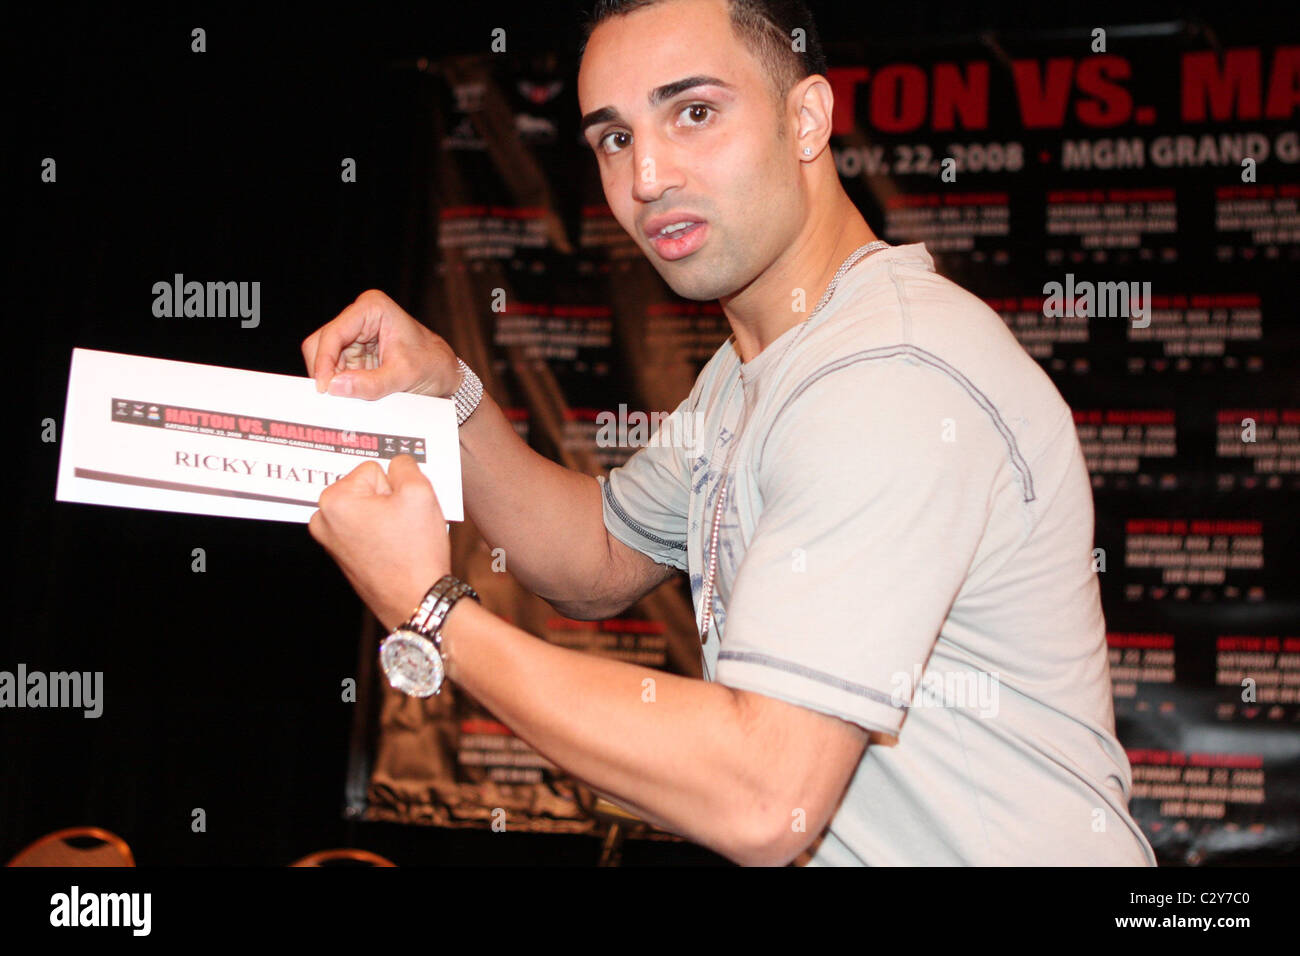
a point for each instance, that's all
(811, 103)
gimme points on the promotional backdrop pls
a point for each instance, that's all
(1129, 203)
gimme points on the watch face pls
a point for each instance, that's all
(411, 663)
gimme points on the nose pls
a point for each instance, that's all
(655, 167)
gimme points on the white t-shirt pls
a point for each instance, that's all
(907, 545)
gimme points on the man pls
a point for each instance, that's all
(904, 643)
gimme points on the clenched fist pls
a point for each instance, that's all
(387, 534)
(374, 348)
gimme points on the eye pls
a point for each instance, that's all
(600, 144)
(698, 112)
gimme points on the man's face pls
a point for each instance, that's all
(708, 155)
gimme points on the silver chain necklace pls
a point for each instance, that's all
(707, 592)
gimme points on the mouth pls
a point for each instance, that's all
(678, 238)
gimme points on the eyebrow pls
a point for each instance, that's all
(657, 96)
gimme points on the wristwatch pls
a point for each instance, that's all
(468, 395)
(411, 655)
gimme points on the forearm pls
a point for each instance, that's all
(678, 752)
(533, 508)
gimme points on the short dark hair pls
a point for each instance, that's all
(765, 26)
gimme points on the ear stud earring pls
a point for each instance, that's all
(807, 150)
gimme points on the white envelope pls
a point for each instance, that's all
(177, 436)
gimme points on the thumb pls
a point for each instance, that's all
(404, 474)
(367, 478)
(369, 384)
(407, 479)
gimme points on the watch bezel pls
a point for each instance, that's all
(407, 639)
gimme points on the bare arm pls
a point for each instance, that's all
(723, 766)
(549, 521)
(727, 768)
(751, 776)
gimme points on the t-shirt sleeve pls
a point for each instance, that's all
(646, 500)
(877, 482)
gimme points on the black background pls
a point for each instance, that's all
(222, 689)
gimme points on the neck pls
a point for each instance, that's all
(762, 311)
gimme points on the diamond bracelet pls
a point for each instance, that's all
(468, 395)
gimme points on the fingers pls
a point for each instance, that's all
(356, 324)
(334, 338)
(365, 480)
(369, 477)
(309, 346)
(404, 471)
(316, 526)
(405, 477)
(373, 383)
(382, 485)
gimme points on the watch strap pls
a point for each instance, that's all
(427, 619)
